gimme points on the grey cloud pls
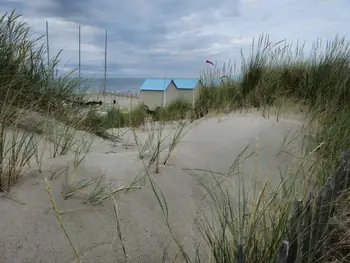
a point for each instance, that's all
(67, 8)
(147, 38)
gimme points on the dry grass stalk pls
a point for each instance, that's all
(49, 193)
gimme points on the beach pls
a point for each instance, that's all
(33, 233)
(124, 100)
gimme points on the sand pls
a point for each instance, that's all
(125, 101)
(30, 231)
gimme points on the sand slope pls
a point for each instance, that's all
(30, 231)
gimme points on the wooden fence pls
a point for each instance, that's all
(310, 220)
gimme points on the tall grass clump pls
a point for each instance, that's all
(318, 79)
(26, 78)
(218, 92)
(262, 222)
(177, 109)
(136, 116)
(26, 85)
(96, 122)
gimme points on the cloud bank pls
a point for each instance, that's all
(157, 37)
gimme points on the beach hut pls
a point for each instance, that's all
(158, 92)
(188, 89)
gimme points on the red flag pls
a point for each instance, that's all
(208, 61)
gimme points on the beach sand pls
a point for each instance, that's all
(30, 231)
(123, 100)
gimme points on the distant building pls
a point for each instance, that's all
(158, 92)
(188, 89)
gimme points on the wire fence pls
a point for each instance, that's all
(125, 99)
(104, 85)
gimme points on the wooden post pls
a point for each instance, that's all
(306, 230)
(240, 254)
(164, 93)
(130, 101)
(294, 232)
(282, 253)
(47, 43)
(48, 52)
(324, 210)
(105, 77)
(79, 63)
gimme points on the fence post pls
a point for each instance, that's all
(105, 76)
(282, 253)
(294, 231)
(240, 254)
(306, 229)
(323, 212)
(79, 62)
(47, 43)
(343, 180)
(48, 53)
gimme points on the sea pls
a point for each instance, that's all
(112, 84)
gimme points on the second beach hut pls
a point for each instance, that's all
(158, 92)
(188, 89)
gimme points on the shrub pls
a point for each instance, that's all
(225, 97)
(136, 116)
(93, 121)
(114, 118)
(175, 110)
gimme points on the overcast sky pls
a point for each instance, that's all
(148, 38)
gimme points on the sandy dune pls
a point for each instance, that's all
(30, 231)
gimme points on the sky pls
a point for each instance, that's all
(173, 38)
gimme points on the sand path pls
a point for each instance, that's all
(30, 231)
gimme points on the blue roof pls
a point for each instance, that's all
(186, 83)
(155, 84)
